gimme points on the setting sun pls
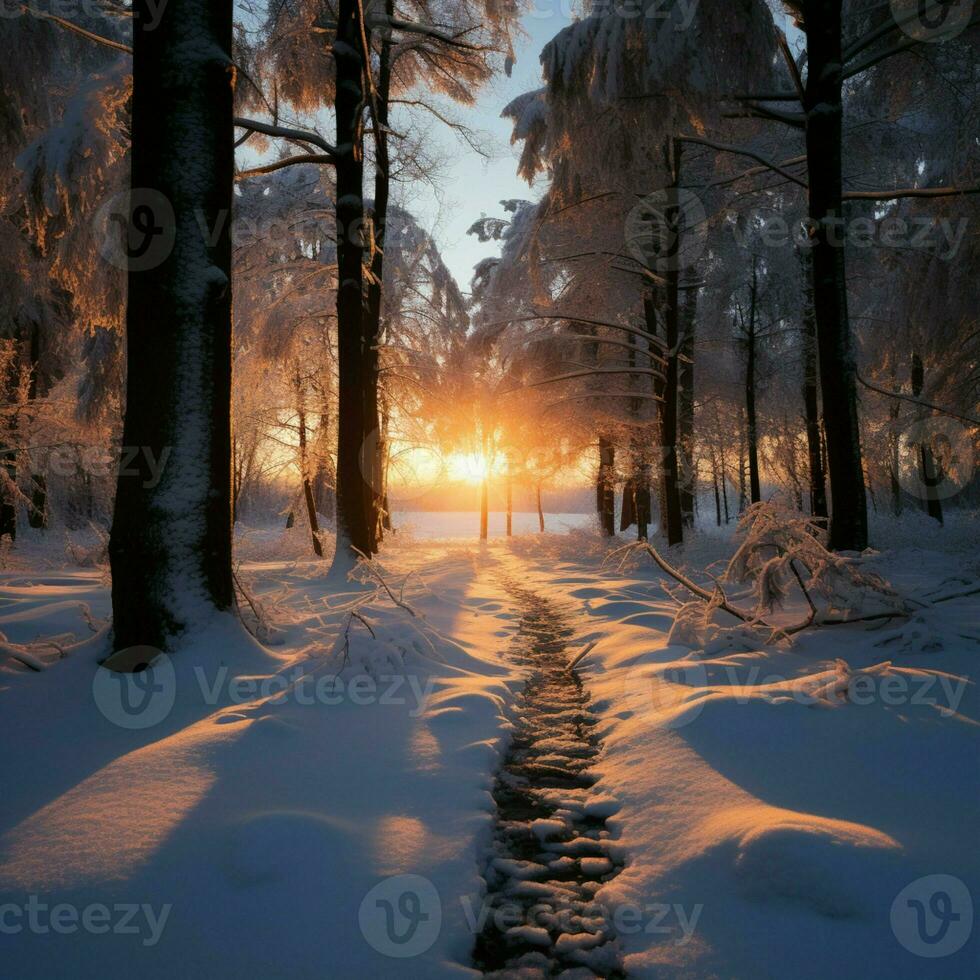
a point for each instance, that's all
(468, 467)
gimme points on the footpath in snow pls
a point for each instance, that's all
(330, 802)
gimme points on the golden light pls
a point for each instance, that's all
(467, 467)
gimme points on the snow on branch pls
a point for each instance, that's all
(75, 29)
(781, 552)
(286, 133)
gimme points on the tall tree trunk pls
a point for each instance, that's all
(751, 338)
(714, 477)
(742, 499)
(824, 112)
(818, 486)
(929, 469)
(353, 471)
(8, 452)
(37, 515)
(170, 548)
(540, 511)
(510, 506)
(668, 409)
(484, 509)
(627, 516)
(607, 487)
(375, 288)
(644, 506)
(236, 478)
(304, 464)
(724, 484)
(686, 406)
(325, 476)
(386, 521)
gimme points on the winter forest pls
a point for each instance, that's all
(488, 488)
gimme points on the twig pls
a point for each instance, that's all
(391, 595)
(588, 649)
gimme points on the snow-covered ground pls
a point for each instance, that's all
(318, 804)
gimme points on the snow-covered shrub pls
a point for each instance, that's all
(783, 552)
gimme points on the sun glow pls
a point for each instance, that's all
(467, 467)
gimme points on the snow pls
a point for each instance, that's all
(776, 806)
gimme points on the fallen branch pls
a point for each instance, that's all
(720, 600)
(370, 566)
(588, 649)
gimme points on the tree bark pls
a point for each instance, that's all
(540, 511)
(751, 339)
(374, 499)
(37, 515)
(893, 446)
(353, 470)
(742, 499)
(929, 469)
(484, 510)
(644, 506)
(673, 518)
(688, 475)
(824, 111)
(724, 483)
(627, 517)
(714, 477)
(304, 465)
(811, 407)
(170, 548)
(674, 526)
(607, 487)
(8, 452)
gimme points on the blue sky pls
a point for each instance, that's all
(471, 186)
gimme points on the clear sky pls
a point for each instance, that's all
(471, 186)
